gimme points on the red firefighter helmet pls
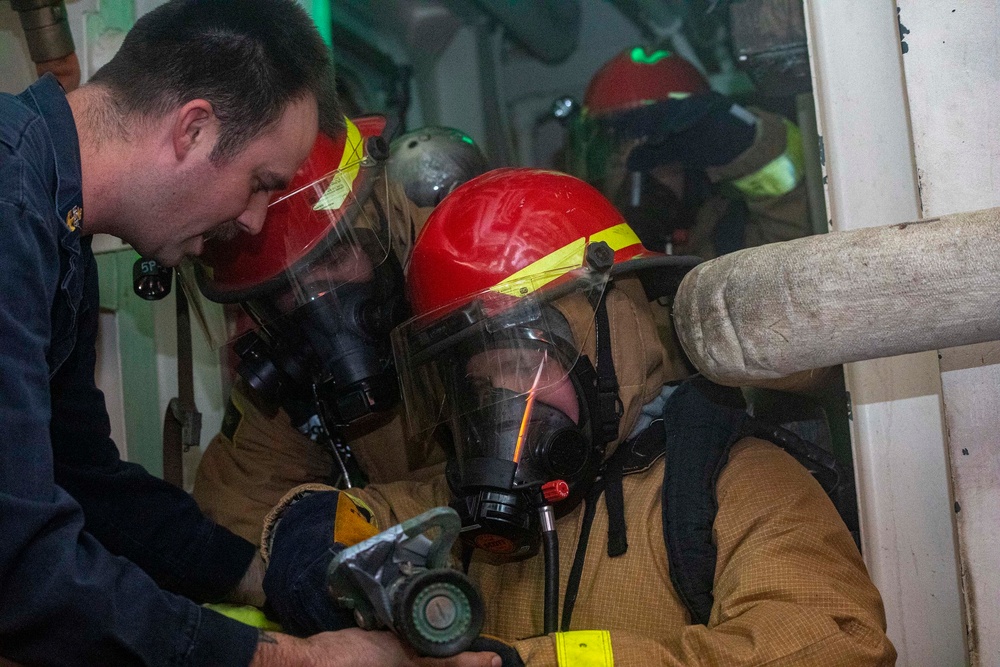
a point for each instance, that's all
(640, 76)
(500, 249)
(506, 281)
(507, 226)
(323, 203)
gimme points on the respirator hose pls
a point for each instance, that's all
(550, 541)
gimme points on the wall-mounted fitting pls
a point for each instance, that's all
(46, 28)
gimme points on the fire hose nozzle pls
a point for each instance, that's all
(401, 579)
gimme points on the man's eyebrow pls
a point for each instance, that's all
(272, 181)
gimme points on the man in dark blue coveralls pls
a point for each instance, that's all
(209, 106)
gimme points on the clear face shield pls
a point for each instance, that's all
(592, 150)
(323, 292)
(500, 378)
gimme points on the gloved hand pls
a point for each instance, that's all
(507, 653)
(299, 545)
(696, 132)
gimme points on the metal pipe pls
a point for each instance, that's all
(46, 28)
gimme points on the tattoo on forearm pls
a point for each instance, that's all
(266, 638)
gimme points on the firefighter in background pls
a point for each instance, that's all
(277, 431)
(693, 172)
(696, 174)
(673, 535)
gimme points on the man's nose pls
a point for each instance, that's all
(251, 220)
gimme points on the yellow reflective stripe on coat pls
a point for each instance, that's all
(779, 176)
(584, 648)
(245, 614)
(561, 261)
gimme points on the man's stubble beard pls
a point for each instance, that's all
(225, 232)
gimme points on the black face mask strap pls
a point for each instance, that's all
(609, 404)
(609, 417)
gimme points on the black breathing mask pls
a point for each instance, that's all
(512, 456)
(334, 348)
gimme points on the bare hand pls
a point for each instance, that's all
(354, 648)
(250, 590)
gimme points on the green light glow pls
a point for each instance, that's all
(322, 17)
(639, 55)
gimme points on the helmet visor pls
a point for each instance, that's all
(510, 342)
(333, 232)
(591, 149)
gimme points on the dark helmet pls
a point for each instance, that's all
(432, 161)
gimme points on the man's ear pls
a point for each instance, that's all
(193, 127)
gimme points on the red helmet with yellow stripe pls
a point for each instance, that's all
(518, 230)
(319, 283)
(323, 203)
(507, 225)
(506, 281)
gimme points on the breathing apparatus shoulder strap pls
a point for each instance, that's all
(701, 423)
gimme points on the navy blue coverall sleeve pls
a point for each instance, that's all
(73, 590)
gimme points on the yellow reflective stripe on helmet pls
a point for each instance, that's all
(584, 648)
(617, 237)
(343, 179)
(554, 265)
(561, 261)
(782, 174)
